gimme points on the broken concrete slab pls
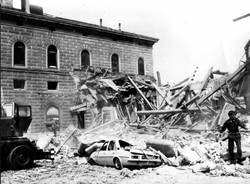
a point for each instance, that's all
(44, 141)
(190, 156)
(165, 146)
(204, 167)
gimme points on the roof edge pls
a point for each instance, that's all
(78, 24)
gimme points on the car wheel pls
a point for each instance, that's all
(20, 157)
(91, 161)
(118, 164)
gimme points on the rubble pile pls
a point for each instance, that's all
(103, 97)
(180, 122)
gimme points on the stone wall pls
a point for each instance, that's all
(36, 74)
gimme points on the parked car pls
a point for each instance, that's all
(119, 153)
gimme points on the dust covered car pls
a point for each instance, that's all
(119, 153)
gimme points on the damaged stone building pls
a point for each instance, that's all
(38, 52)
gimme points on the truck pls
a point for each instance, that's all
(17, 151)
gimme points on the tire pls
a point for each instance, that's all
(118, 164)
(20, 157)
(91, 161)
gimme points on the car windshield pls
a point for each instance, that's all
(124, 144)
(104, 146)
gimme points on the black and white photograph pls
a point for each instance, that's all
(124, 92)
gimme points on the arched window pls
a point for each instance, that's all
(85, 59)
(19, 54)
(141, 70)
(115, 63)
(52, 114)
(52, 56)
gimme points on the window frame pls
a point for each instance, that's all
(57, 58)
(52, 106)
(144, 69)
(21, 89)
(57, 87)
(25, 55)
(90, 58)
(118, 62)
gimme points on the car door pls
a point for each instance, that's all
(102, 155)
(111, 153)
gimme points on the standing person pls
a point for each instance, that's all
(233, 124)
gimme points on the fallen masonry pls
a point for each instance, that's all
(179, 123)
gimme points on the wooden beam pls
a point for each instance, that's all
(241, 17)
(180, 83)
(179, 92)
(176, 88)
(143, 83)
(172, 111)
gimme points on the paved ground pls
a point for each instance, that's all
(172, 175)
(77, 171)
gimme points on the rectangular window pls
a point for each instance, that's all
(52, 85)
(19, 84)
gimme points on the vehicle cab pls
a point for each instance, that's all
(15, 119)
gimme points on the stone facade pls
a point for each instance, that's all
(19, 26)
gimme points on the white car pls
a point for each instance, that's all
(119, 153)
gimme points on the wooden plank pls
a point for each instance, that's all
(241, 17)
(143, 83)
(174, 111)
(179, 92)
(180, 83)
(176, 88)
(191, 101)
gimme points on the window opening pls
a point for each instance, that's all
(52, 85)
(19, 54)
(115, 63)
(19, 83)
(52, 56)
(141, 70)
(85, 58)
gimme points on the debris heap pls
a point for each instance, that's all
(181, 122)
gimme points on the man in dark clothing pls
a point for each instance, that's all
(233, 124)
